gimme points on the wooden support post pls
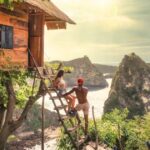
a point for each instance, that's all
(119, 137)
(33, 83)
(42, 139)
(96, 132)
(36, 38)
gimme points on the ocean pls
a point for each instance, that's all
(96, 98)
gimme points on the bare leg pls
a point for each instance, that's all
(69, 99)
(71, 102)
(78, 118)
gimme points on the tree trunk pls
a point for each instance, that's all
(2, 115)
(3, 136)
(9, 125)
(5, 131)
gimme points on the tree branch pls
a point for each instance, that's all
(28, 106)
(11, 98)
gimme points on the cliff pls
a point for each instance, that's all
(83, 67)
(130, 87)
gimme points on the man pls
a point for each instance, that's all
(81, 94)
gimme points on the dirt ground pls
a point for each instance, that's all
(28, 140)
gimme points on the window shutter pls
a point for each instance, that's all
(8, 37)
(0, 36)
(3, 37)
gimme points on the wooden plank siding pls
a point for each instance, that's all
(19, 53)
(36, 36)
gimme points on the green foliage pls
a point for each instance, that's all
(108, 127)
(55, 66)
(115, 127)
(138, 132)
(22, 88)
(9, 3)
(64, 143)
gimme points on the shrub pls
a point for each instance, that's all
(64, 142)
(115, 129)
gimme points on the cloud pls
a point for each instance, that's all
(101, 32)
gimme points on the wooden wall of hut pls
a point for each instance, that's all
(36, 38)
(19, 22)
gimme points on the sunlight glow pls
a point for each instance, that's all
(105, 3)
(104, 28)
(107, 8)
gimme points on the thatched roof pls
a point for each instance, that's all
(50, 9)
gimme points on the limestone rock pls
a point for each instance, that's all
(130, 87)
(84, 68)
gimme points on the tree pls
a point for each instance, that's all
(14, 91)
(9, 3)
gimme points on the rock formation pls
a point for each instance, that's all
(130, 87)
(83, 67)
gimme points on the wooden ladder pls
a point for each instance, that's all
(75, 125)
(43, 74)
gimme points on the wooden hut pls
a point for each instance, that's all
(22, 29)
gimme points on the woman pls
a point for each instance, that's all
(60, 84)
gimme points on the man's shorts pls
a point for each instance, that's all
(84, 107)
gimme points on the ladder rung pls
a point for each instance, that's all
(66, 117)
(82, 140)
(60, 107)
(51, 88)
(46, 76)
(72, 129)
(54, 97)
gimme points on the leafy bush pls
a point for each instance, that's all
(9, 3)
(22, 88)
(116, 130)
(64, 142)
(138, 132)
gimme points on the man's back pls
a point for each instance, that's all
(81, 93)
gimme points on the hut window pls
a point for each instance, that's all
(6, 37)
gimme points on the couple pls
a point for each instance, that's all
(81, 95)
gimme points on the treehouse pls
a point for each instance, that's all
(22, 31)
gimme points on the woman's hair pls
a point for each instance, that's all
(60, 74)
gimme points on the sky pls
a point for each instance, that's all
(105, 31)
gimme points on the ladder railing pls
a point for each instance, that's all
(49, 90)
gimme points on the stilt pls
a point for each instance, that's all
(42, 139)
